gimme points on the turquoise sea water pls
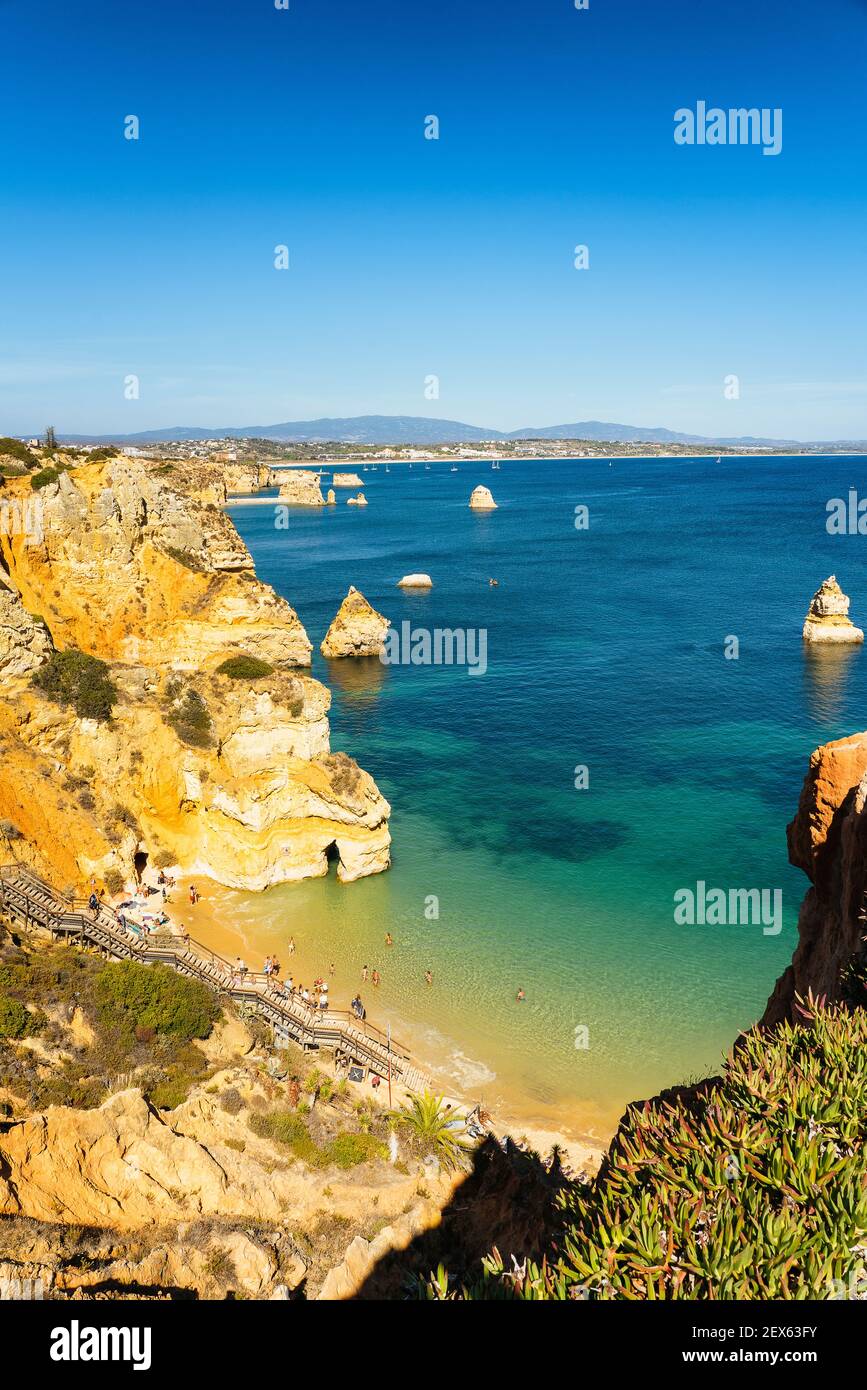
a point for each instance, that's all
(605, 648)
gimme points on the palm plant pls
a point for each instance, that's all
(428, 1127)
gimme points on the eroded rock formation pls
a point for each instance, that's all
(24, 640)
(231, 777)
(828, 840)
(828, 616)
(357, 629)
(347, 480)
(299, 487)
(482, 499)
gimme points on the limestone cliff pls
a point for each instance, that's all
(250, 477)
(828, 616)
(357, 629)
(24, 642)
(299, 487)
(131, 568)
(144, 575)
(828, 840)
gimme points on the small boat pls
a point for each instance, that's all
(719, 460)
(454, 468)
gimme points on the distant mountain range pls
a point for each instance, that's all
(419, 429)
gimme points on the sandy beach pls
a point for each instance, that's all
(214, 922)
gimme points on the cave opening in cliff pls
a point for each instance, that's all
(332, 854)
(140, 863)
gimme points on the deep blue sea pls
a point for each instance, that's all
(605, 648)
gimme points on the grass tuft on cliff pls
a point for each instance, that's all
(244, 668)
(75, 678)
(188, 714)
(751, 1188)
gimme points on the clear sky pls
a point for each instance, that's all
(412, 257)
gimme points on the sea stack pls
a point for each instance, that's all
(415, 581)
(357, 630)
(481, 499)
(828, 617)
(347, 480)
(330, 499)
(300, 488)
(359, 501)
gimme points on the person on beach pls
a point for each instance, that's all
(268, 966)
(364, 973)
(93, 904)
(375, 977)
(428, 975)
(331, 969)
(291, 946)
(520, 997)
(389, 939)
(194, 896)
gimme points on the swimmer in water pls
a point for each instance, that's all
(520, 997)
(428, 975)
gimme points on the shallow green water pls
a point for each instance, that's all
(605, 648)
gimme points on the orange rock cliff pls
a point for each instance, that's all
(134, 562)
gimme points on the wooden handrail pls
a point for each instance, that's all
(186, 954)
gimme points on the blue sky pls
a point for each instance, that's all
(412, 257)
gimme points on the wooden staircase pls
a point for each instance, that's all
(26, 899)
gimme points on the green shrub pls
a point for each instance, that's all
(168, 1094)
(751, 1187)
(289, 1129)
(244, 668)
(347, 1150)
(78, 679)
(190, 720)
(16, 450)
(232, 1101)
(44, 477)
(129, 995)
(15, 1019)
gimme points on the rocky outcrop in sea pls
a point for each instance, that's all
(299, 487)
(828, 616)
(482, 499)
(357, 629)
